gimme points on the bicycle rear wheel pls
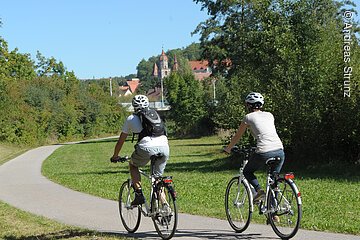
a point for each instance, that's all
(285, 213)
(130, 215)
(164, 210)
(238, 206)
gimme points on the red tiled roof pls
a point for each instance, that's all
(199, 65)
(155, 70)
(226, 62)
(201, 75)
(123, 88)
(176, 65)
(133, 84)
(163, 56)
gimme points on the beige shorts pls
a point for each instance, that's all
(141, 156)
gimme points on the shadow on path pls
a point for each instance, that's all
(65, 234)
(196, 234)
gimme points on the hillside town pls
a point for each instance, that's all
(161, 69)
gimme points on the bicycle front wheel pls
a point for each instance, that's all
(238, 206)
(284, 204)
(130, 215)
(164, 211)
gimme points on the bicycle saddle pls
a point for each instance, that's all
(156, 156)
(273, 160)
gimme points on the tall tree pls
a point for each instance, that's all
(49, 66)
(185, 96)
(291, 51)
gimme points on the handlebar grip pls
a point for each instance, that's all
(119, 159)
(114, 160)
(123, 159)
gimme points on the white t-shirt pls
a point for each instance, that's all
(263, 129)
(133, 125)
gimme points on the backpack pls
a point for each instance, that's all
(151, 122)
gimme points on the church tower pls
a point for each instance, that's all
(162, 70)
(176, 65)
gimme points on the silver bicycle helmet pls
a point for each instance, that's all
(140, 102)
(255, 99)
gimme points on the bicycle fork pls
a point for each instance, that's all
(128, 205)
(241, 198)
(263, 204)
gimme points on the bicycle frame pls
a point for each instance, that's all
(147, 212)
(264, 208)
(160, 206)
(270, 180)
(247, 184)
(281, 204)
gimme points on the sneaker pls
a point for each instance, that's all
(260, 195)
(165, 221)
(166, 209)
(276, 219)
(166, 215)
(139, 199)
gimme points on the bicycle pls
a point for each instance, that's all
(281, 206)
(162, 208)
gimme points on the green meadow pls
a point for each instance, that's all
(330, 194)
(19, 225)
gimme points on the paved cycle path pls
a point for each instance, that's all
(23, 186)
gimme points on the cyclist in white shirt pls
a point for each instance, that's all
(268, 143)
(146, 147)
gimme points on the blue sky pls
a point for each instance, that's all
(99, 38)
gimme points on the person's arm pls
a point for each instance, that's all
(236, 137)
(119, 144)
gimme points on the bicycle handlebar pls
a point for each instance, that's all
(245, 150)
(120, 159)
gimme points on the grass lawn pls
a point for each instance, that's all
(8, 152)
(331, 198)
(16, 224)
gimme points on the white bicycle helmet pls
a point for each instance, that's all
(255, 99)
(140, 102)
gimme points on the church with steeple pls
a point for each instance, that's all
(161, 69)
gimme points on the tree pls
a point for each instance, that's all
(291, 51)
(185, 96)
(49, 66)
(145, 71)
(191, 52)
(52, 105)
(145, 68)
(14, 64)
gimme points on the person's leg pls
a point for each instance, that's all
(139, 158)
(136, 179)
(159, 168)
(253, 165)
(160, 164)
(135, 176)
(279, 153)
